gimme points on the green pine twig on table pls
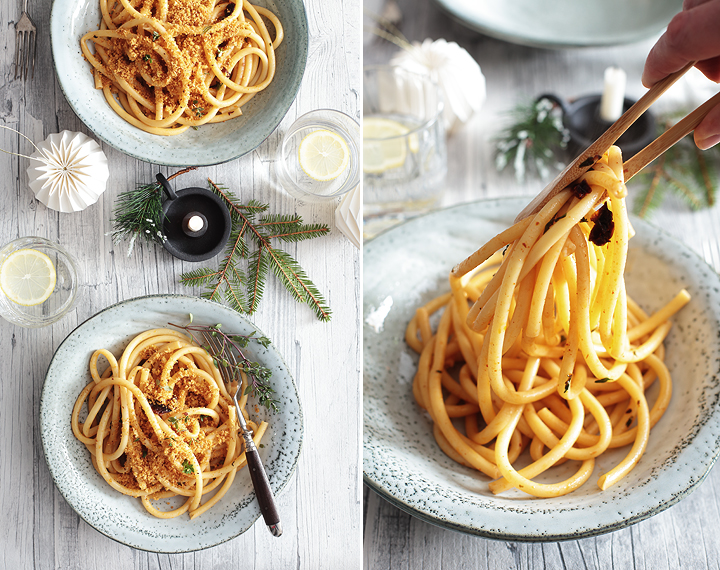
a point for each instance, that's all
(138, 213)
(243, 290)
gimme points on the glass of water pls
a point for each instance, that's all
(319, 157)
(26, 262)
(404, 150)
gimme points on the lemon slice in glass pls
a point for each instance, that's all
(385, 145)
(27, 277)
(323, 155)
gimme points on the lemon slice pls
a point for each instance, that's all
(323, 155)
(384, 144)
(27, 277)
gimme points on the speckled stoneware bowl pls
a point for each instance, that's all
(210, 144)
(565, 23)
(408, 265)
(121, 517)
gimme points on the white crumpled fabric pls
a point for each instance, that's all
(454, 70)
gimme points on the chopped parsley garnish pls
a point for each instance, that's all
(188, 468)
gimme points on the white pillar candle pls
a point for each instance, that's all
(611, 104)
(195, 224)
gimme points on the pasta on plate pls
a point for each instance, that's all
(160, 423)
(540, 348)
(167, 65)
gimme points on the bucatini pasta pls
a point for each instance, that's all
(540, 348)
(167, 66)
(160, 423)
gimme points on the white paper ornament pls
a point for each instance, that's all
(455, 71)
(347, 216)
(68, 172)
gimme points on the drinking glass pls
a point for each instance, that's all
(60, 301)
(404, 150)
(295, 179)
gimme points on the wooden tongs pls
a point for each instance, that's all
(635, 164)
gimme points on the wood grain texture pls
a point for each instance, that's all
(321, 507)
(685, 535)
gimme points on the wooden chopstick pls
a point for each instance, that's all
(593, 153)
(678, 131)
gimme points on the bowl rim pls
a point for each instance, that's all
(190, 156)
(680, 491)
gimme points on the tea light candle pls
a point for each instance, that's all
(194, 224)
(613, 97)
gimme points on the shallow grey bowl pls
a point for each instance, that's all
(209, 144)
(409, 265)
(121, 517)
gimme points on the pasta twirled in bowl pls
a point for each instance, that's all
(553, 356)
(178, 65)
(160, 423)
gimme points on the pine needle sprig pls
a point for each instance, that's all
(688, 173)
(535, 140)
(138, 213)
(258, 375)
(243, 292)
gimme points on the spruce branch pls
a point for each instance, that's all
(138, 213)
(683, 170)
(534, 140)
(241, 291)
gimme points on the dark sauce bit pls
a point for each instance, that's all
(159, 408)
(604, 226)
(581, 189)
(589, 161)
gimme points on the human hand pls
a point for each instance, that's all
(692, 35)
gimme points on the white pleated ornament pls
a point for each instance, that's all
(454, 70)
(68, 172)
(348, 216)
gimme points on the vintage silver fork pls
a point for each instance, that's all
(230, 374)
(24, 45)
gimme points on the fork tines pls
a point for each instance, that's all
(25, 32)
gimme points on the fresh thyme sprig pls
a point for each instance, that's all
(258, 375)
(138, 213)
(244, 292)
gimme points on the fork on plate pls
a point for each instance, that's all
(260, 481)
(25, 32)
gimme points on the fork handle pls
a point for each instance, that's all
(260, 481)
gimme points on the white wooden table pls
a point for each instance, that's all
(684, 536)
(321, 507)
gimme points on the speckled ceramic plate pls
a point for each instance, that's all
(124, 518)
(210, 144)
(565, 23)
(408, 265)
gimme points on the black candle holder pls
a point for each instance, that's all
(184, 208)
(581, 117)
